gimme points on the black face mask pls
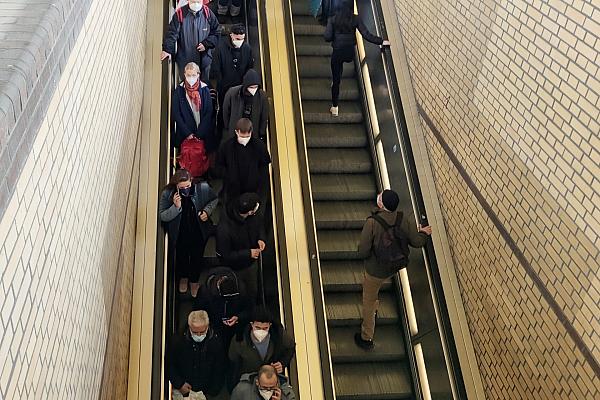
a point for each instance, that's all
(187, 192)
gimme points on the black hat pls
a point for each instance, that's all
(238, 29)
(247, 202)
(227, 286)
(390, 200)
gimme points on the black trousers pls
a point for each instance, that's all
(189, 258)
(338, 58)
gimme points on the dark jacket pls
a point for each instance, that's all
(244, 169)
(245, 358)
(202, 365)
(204, 198)
(236, 236)
(247, 389)
(182, 114)
(371, 234)
(342, 40)
(202, 27)
(230, 64)
(234, 103)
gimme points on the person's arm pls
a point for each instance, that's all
(288, 349)
(415, 238)
(368, 36)
(225, 249)
(366, 239)
(264, 116)
(263, 170)
(175, 376)
(216, 68)
(213, 201)
(171, 37)
(166, 208)
(183, 130)
(207, 124)
(329, 30)
(215, 30)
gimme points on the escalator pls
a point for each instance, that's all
(344, 187)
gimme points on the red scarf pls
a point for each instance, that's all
(193, 93)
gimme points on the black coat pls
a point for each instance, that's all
(181, 112)
(236, 236)
(228, 70)
(202, 365)
(341, 40)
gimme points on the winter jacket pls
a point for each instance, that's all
(342, 40)
(371, 234)
(184, 118)
(204, 198)
(247, 389)
(230, 64)
(236, 236)
(245, 358)
(244, 169)
(202, 365)
(234, 103)
(201, 27)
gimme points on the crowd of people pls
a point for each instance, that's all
(232, 346)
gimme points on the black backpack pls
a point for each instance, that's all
(392, 247)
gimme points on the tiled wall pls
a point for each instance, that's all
(66, 254)
(509, 92)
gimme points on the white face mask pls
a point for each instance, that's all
(195, 7)
(252, 91)
(191, 80)
(237, 43)
(260, 334)
(243, 140)
(265, 394)
(198, 338)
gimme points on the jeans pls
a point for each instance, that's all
(338, 58)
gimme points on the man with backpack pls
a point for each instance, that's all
(384, 243)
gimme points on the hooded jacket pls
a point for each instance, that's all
(246, 389)
(184, 117)
(371, 234)
(202, 365)
(201, 27)
(230, 64)
(233, 107)
(342, 40)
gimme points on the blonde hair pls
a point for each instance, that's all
(199, 317)
(192, 65)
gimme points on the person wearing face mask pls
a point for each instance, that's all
(243, 163)
(383, 245)
(264, 341)
(247, 100)
(185, 209)
(267, 384)
(192, 108)
(241, 240)
(192, 34)
(195, 360)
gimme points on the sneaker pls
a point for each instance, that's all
(334, 111)
(194, 289)
(183, 284)
(362, 343)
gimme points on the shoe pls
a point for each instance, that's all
(362, 343)
(194, 289)
(183, 284)
(334, 111)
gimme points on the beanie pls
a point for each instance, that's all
(238, 29)
(390, 200)
(247, 202)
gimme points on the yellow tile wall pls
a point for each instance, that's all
(67, 236)
(513, 88)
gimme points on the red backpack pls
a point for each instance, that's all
(193, 157)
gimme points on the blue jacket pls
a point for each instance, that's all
(184, 118)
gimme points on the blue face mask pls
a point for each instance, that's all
(186, 192)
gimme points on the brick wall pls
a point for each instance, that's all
(66, 255)
(509, 96)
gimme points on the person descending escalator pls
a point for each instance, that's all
(267, 384)
(341, 32)
(384, 243)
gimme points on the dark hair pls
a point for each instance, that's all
(244, 125)
(238, 29)
(343, 22)
(181, 175)
(261, 314)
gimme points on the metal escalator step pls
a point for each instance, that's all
(345, 309)
(312, 45)
(343, 187)
(389, 345)
(316, 111)
(338, 244)
(339, 161)
(301, 8)
(345, 276)
(320, 89)
(320, 67)
(372, 381)
(342, 215)
(338, 135)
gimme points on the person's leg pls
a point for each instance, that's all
(250, 278)
(197, 264)
(371, 286)
(182, 261)
(222, 7)
(337, 68)
(236, 6)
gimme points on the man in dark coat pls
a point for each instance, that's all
(247, 100)
(196, 360)
(194, 31)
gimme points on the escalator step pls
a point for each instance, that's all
(389, 345)
(317, 112)
(345, 309)
(343, 187)
(339, 161)
(312, 45)
(338, 245)
(342, 215)
(320, 67)
(320, 89)
(345, 276)
(338, 135)
(372, 381)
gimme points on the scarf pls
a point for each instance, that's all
(193, 93)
